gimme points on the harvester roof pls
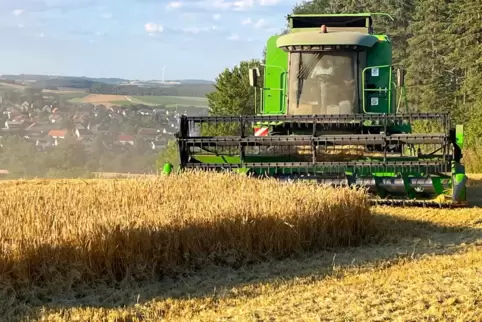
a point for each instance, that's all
(311, 30)
(316, 38)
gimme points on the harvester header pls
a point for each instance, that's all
(333, 110)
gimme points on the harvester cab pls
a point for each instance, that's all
(333, 110)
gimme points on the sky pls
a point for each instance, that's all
(134, 39)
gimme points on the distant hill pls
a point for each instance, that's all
(117, 86)
(81, 82)
(194, 81)
(40, 78)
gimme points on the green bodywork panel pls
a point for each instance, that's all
(275, 76)
(378, 82)
(459, 135)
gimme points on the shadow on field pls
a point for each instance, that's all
(474, 193)
(395, 239)
(474, 180)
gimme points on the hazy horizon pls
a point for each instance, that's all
(105, 77)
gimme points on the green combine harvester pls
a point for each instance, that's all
(333, 110)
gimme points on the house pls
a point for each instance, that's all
(168, 132)
(23, 116)
(39, 128)
(101, 127)
(160, 111)
(121, 110)
(148, 132)
(145, 112)
(58, 134)
(47, 108)
(16, 124)
(45, 143)
(55, 118)
(25, 106)
(11, 112)
(124, 140)
(36, 131)
(162, 139)
(81, 117)
(84, 134)
(115, 116)
(158, 145)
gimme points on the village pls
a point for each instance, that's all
(117, 127)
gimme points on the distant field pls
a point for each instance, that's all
(169, 101)
(72, 95)
(11, 86)
(76, 95)
(61, 90)
(181, 100)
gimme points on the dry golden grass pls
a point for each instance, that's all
(423, 265)
(435, 288)
(56, 234)
(428, 269)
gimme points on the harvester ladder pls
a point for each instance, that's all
(387, 89)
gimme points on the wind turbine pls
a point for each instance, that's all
(163, 79)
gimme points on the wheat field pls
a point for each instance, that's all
(59, 235)
(232, 249)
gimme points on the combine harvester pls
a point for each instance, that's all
(334, 111)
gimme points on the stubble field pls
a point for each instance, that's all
(184, 249)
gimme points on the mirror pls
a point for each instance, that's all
(253, 77)
(400, 77)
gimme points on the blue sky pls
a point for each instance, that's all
(135, 38)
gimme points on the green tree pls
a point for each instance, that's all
(169, 154)
(17, 157)
(233, 96)
(466, 42)
(430, 74)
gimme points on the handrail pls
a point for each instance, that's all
(382, 14)
(389, 90)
